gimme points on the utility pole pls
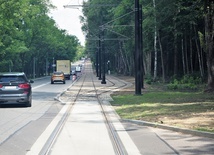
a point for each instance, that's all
(104, 58)
(137, 55)
(34, 67)
(53, 64)
(97, 63)
(99, 58)
(141, 44)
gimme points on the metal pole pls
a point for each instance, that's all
(141, 44)
(99, 57)
(97, 63)
(137, 51)
(104, 59)
(34, 66)
(53, 64)
(46, 68)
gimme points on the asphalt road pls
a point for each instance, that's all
(21, 126)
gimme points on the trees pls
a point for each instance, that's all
(182, 46)
(29, 37)
(209, 38)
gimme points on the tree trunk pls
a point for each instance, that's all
(175, 50)
(183, 56)
(209, 38)
(125, 71)
(198, 52)
(191, 53)
(155, 43)
(127, 60)
(147, 63)
(186, 53)
(162, 57)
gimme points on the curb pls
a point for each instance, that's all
(176, 129)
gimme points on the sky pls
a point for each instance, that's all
(68, 18)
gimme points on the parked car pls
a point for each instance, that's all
(15, 88)
(58, 77)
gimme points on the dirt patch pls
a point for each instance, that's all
(188, 120)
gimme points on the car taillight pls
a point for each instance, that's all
(1, 85)
(24, 85)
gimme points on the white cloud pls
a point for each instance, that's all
(68, 18)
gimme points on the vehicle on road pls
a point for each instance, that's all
(65, 67)
(73, 72)
(15, 88)
(58, 77)
(78, 68)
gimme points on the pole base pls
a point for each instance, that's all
(103, 82)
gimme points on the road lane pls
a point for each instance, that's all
(21, 126)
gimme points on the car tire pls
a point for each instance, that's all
(63, 82)
(28, 104)
(52, 82)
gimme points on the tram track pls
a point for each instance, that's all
(118, 146)
(95, 93)
(50, 142)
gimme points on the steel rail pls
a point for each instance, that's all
(50, 142)
(116, 142)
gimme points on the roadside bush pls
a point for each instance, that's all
(148, 79)
(187, 82)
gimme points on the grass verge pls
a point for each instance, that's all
(193, 110)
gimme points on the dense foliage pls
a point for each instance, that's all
(30, 40)
(177, 36)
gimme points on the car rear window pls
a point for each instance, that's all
(12, 79)
(58, 73)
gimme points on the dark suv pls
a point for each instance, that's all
(15, 88)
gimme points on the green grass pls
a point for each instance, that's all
(153, 105)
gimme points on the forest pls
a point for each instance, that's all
(177, 38)
(30, 40)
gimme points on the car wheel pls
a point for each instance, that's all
(28, 104)
(63, 82)
(52, 82)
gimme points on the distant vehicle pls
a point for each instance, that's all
(15, 88)
(73, 72)
(78, 69)
(73, 69)
(65, 67)
(58, 77)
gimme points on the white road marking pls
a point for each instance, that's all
(40, 85)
